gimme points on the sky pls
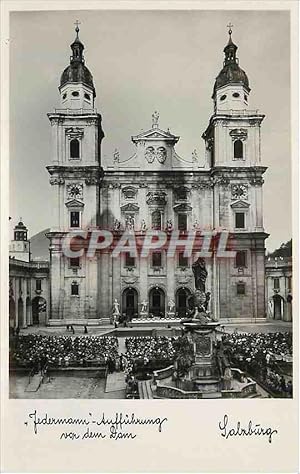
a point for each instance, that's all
(144, 61)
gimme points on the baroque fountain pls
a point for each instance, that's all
(201, 369)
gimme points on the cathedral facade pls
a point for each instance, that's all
(159, 190)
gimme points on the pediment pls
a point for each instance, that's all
(130, 207)
(74, 203)
(182, 207)
(155, 134)
(240, 205)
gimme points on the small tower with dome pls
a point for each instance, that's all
(231, 88)
(19, 247)
(76, 83)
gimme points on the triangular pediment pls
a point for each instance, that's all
(74, 203)
(182, 207)
(130, 207)
(155, 134)
(240, 205)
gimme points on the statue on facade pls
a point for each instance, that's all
(116, 156)
(171, 306)
(117, 225)
(144, 305)
(169, 225)
(155, 118)
(130, 223)
(116, 311)
(200, 274)
(143, 226)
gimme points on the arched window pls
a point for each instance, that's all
(74, 148)
(238, 150)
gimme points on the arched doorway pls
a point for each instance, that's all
(39, 307)
(20, 313)
(157, 302)
(278, 306)
(12, 313)
(182, 295)
(130, 302)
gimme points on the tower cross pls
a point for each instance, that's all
(77, 27)
(230, 25)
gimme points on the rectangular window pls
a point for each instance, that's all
(240, 220)
(75, 262)
(129, 261)
(74, 218)
(74, 289)
(38, 285)
(290, 283)
(182, 221)
(156, 259)
(240, 288)
(241, 259)
(182, 260)
(276, 282)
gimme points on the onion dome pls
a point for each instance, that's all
(77, 71)
(231, 72)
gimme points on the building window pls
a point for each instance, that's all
(182, 221)
(240, 220)
(238, 150)
(156, 259)
(182, 260)
(156, 220)
(129, 260)
(74, 149)
(240, 288)
(74, 289)
(38, 285)
(290, 283)
(87, 96)
(276, 282)
(241, 259)
(74, 218)
(75, 93)
(75, 262)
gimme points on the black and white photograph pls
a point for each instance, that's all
(149, 236)
(142, 268)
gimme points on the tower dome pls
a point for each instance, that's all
(76, 82)
(231, 72)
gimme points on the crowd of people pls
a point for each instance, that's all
(142, 351)
(258, 354)
(36, 350)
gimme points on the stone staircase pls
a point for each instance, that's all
(145, 391)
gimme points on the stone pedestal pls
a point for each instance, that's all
(203, 373)
(170, 314)
(143, 314)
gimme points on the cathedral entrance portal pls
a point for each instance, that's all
(157, 302)
(130, 302)
(182, 306)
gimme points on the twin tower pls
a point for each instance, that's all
(156, 189)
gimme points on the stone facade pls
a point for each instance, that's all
(279, 288)
(157, 189)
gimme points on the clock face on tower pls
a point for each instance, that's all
(74, 190)
(239, 191)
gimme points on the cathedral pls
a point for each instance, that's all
(157, 189)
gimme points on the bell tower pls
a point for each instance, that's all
(233, 149)
(75, 176)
